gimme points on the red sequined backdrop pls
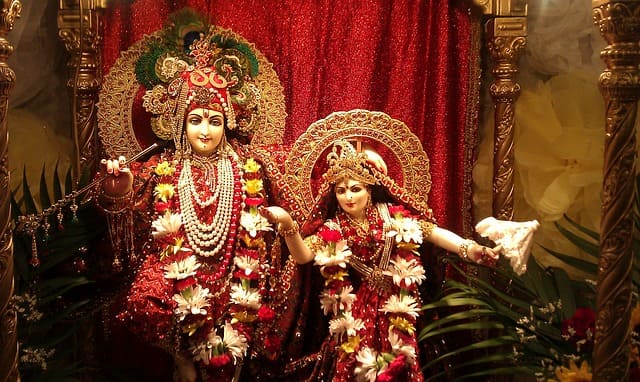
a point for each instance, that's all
(411, 59)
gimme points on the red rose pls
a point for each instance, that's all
(183, 284)
(580, 329)
(161, 206)
(220, 360)
(396, 369)
(582, 320)
(241, 274)
(330, 235)
(252, 175)
(266, 314)
(252, 253)
(253, 202)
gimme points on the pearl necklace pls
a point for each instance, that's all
(207, 239)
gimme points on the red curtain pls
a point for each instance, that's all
(412, 59)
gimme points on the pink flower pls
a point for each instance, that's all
(397, 211)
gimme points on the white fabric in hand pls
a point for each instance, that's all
(515, 238)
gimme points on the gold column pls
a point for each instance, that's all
(79, 28)
(8, 335)
(505, 33)
(619, 24)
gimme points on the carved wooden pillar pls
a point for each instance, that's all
(9, 11)
(79, 28)
(505, 33)
(619, 23)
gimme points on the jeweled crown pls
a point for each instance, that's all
(346, 162)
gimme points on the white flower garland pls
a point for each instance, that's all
(333, 259)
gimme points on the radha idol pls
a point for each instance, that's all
(210, 272)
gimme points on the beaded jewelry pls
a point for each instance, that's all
(463, 249)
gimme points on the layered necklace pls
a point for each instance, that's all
(208, 239)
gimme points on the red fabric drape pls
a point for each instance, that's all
(407, 58)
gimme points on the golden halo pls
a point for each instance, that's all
(376, 127)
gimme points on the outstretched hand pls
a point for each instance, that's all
(276, 215)
(119, 179)
(484, 255)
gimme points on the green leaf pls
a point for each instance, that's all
(57, 185)
(592, 234)
(480, 325)
(566, 292)
(470, 314)
(45, 202)
(68, 182)
(588, 246)
(27, 197)
(582, 265)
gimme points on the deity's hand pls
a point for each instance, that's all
(118, 179)
(375, 159)
(277, 216)
(484, 255)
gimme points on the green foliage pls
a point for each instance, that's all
(56, 298)
(516, 321)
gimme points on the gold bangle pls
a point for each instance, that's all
(463, 249)
(288, 232)
(427, 228)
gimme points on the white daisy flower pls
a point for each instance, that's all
(182, 269)
(324, 258)
(408, 271)
(192, 301)
(166, 224)
(254, 223)
(345, 324)
(329, 303)
(249, 298)
(235, 342)
(407, 230)
(401, 304)
(346, 298)
(367, 370)
(247, 264)
(399, 347)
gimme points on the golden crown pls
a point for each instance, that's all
(345, 162)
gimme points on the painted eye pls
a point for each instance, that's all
(217, 121)
(194, 120)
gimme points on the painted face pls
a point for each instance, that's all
(205, 129)
(353, 197)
